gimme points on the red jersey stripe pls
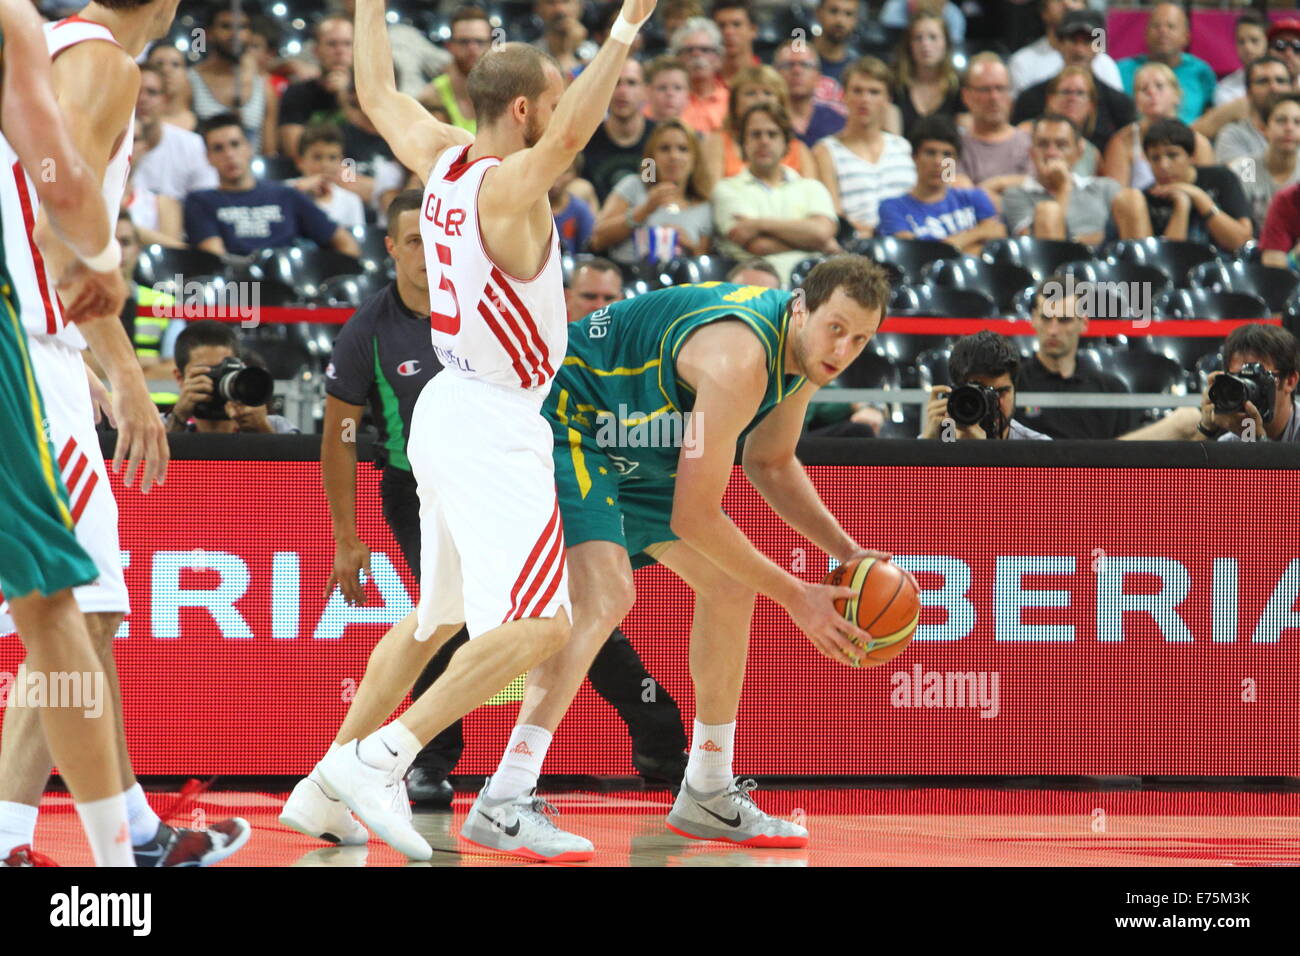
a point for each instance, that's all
(540, 605)
(546, 571)
(71, 481)
(506, 344)
(529, 322)
(511, 321)
(531, 559)
(66, 455)
(85, 497)
(52, 323)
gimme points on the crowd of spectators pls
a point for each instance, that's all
(725, 140)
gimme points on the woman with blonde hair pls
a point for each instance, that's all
(749, 86)
(925, 79)
(672, 189)
(1157, 95)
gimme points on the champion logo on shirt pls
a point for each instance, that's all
(409, 367)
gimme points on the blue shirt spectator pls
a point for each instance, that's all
(957, 211)
(574, 223)
(243, 215)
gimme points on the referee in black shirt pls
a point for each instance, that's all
(1059, 321)
(382, 358)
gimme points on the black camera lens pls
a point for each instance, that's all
(967, 405)
(1229, 394)
(249, 386)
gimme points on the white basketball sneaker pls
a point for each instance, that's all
(376, 795)
(314, 810)
(730, 816)
(522, 826)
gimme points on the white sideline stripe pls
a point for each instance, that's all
(919, 396)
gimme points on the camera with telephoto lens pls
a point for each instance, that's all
(973, 404)
(1232, 390)
(234, 381)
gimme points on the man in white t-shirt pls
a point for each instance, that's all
(168, 160)
(1042, 59)
(320, 157)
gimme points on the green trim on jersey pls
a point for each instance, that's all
(393, 424)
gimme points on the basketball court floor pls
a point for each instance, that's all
(849, 827)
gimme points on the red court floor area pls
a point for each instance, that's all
(849, 827)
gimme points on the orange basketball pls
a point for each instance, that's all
(888, 606)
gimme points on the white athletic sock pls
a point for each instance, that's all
(107, 831)
(708, 768)
(389, 746)
(144, 822)
(521, 764)
(17, 826)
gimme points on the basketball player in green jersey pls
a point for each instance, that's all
(40, 559)
(654, 395)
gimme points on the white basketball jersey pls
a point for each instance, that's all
(486, 324)
(34, 290)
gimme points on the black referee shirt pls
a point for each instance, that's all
(1074, 422)
(383, 357)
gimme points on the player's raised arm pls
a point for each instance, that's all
(411, 132)
(34, 127)
(728, 366)
(531, 172)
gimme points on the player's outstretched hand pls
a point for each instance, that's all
(830, 633)
(350, 558)
(89, 295)
(141, 439)
(635, 11)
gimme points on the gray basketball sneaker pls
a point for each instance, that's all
(730, 816)
(522, 826)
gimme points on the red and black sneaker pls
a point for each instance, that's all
(181, 846)
(25, 856)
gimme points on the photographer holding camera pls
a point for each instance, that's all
(1254, 400)
(220, 394)
(983, 367)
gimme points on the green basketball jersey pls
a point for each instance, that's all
(619, 380)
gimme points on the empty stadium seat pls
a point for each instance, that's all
(711, 267)
(351, 291)
(1183, 349)
(1211, 362)
(902, 350)
(932, 368)
(801, 270)
(159, 264)
(908, 256)
(1174, 257)
(948, 303)
(1146, 372)
(1041, 257)
(872, 369)
(1201, 304)
(374, 254)
(1001, 282)
(1275, 286)
(305, 269)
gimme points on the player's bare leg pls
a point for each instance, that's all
(712, 805)
(54, 634)
(395, 662)
(366, 774)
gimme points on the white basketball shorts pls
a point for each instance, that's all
(491, 540)
(61, 375)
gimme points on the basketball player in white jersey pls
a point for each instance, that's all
(51, 625)
(491, 538)
(96, 82)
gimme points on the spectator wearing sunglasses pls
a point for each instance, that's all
(1284, 43)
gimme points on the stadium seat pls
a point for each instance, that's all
(1174, 257)
(908, 256)
(1211, 362)
(159, 264)
(1001, 282)
(932, 368)
(1041, 257)
(872, 369)
(1197, 303)
(800, 271)
(278, 168)
(712, 267)
(374, 254)
(1275, 286)
(283, 347)
(351, 291)
(1183, 349)
(902, 350)
(306, 269)
(948, 303)
(1291, 314)
(1147, 372)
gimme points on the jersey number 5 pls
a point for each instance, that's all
(444, 298)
